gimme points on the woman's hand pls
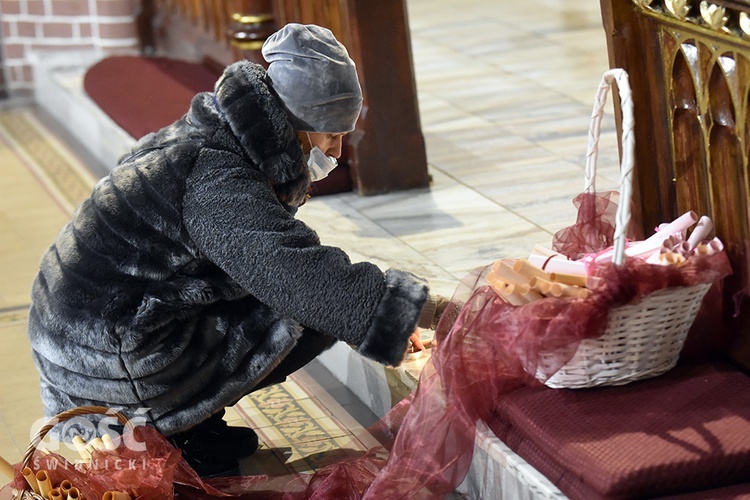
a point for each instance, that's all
(415, 346)
(416, 341)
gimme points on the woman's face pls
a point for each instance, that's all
(330, 144)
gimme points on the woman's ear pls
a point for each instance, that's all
(304, 142)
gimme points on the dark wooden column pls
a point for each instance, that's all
(386, 152)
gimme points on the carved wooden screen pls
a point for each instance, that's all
(386, 151)
(689, 65)
(217, 32)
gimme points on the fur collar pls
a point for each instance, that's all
(259, 122)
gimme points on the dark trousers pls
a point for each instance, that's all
(309, 346)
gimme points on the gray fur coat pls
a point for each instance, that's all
(184, 279)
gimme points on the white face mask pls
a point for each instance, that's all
(319, 164)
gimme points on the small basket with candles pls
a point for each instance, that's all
(50, 477)
(138, 463)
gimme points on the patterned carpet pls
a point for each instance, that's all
(300, 425)
(298, 432)
(65, 178)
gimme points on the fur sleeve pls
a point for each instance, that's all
(234, 218)
(395, 318)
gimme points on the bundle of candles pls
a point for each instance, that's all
(549, 274)
(41, 484)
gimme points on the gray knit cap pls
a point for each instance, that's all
(315, 77)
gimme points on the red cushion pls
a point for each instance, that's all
(733, 492)
(688, 430)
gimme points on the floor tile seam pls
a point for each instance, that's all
(401, 240)
(489, 199)
(481, 58)
(20, 447)
(13, 318)
(17, 308)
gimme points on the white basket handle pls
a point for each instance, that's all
(622, 217)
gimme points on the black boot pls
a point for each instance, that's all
(233, 441)
(212, 447)
(202, 457)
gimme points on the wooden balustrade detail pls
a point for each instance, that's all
(689, 66)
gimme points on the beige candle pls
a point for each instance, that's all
(523, 266)
(504, 269)
(532, 295)
(540, 285)
(108, 444)
(568, 279)
(65, 487)
(496, 283)
(512, 296)
(6, 468)
(97, 444)
(116, 495)
(30, 477)
(575, 292)
(80, 446)
(90, 449)
(74, 494)
(45, 485)
(547, 288)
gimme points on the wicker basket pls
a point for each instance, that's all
(643, 339)
(27, 494)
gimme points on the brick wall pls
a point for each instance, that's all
(35, 26)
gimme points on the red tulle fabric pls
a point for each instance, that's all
(486, 348)
(594, 229)
(143, 464)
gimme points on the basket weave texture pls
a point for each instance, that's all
(27, 494)
(642, 339)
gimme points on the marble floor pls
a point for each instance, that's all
(505, 92)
